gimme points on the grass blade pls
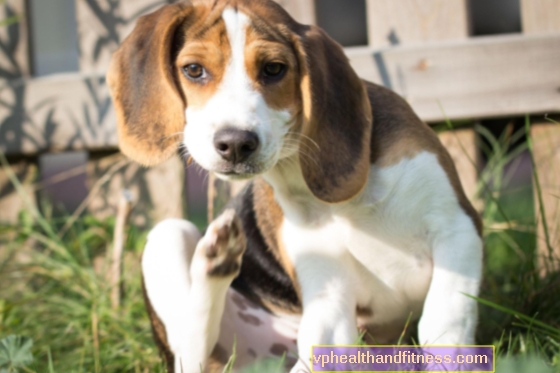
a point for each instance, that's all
(519, 315)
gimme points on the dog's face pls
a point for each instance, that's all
(242, 86)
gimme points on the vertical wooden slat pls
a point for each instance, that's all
(546, 145)
(303, 11)
(15, 64)
(408, 21)
(539, 17)
(119, 240)
(15, 38)
(461, 145)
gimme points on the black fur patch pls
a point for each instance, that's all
(262, 279)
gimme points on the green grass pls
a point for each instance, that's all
(54, 291)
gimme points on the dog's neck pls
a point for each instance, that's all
(293, 195)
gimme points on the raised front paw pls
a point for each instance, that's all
(223, 246)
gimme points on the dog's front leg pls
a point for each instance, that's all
(329, 306)
(216, 262)
(186, 284)
(449, 316)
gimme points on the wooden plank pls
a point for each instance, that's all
(477, 78)
(14, 54)
(540, 16)
(103, 24)
(393, 22)
(11, 202)
(158, 192)
(303, 11)
(69, 112)
(461, 145)
(546, 144)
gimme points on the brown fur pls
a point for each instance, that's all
(337, 118)
(203, 41)
(269, 218)
(283, 95)
(148, 103)
(218, 359)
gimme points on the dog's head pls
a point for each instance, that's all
(243, 86)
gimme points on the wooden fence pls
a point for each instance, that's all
(422, 49)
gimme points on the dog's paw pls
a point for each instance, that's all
(223, 245)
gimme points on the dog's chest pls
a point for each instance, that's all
(380, 242)
(390, 273)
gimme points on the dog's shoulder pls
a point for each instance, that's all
(399, 134)
(397, 131)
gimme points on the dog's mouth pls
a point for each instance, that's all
(240, 171)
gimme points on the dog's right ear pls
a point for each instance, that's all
(337, 118)
(149, 105)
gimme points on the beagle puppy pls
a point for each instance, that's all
(354, 220)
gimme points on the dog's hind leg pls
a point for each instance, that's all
(186, 279)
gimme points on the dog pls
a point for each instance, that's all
(354, 220)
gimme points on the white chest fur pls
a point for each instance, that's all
(375, 250)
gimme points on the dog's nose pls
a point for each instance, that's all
(235, 145)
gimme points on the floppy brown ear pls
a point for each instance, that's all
(150, 107)
(337, 119)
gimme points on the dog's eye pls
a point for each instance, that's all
(194, 71)
(274, 70)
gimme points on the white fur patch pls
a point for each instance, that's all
(165, 267)
(403, 246)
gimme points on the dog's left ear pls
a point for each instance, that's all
(337, 119)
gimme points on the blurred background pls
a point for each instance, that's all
(485, 74)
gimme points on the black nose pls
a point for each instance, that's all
(235, 145)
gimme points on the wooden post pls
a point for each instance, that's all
(220, 192)
(540, 17)
(119, 239)
(461, 145)
(211, 197)
(546, 153)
